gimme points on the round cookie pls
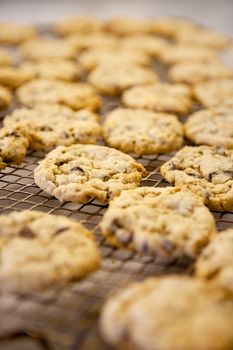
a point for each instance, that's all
(13, 147)
(5, 97)
(49, 126)
(94, 40)
(92, 58)
(211, 127)
(213, 93)
(204, 37)
(114, 79)
(159, 97)
(171, 26)
(74, 95)
(142, 132)
(45, 49)
(55, 69)
(40, 250)
(78, 24)
(174, 53)
(195, 72)
(15, 33)
(13, 77)
(5, 58)
(204, 170)
(215, 263)
(128, 26)
(172, 312)
(81, 172)
(164, 221)
(149, 44)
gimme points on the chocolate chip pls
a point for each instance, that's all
(27, 233)
(172, 166)
(46, 128)
(60, 230)
(14, 133)
(115, 225)
(77, 168)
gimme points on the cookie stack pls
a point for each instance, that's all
(53, 90)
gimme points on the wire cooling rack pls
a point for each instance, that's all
(68, 318)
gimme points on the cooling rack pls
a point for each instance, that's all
(68, 318)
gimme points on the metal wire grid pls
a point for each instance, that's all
(68, 318)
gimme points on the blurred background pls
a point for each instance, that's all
(217, 14)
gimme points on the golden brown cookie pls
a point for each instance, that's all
(159, 97)
(92, 58)
(74, 95)
(5, 97)
(111, 79)
(47, 48)
(78, 24)
(15, 33)
(195, 72)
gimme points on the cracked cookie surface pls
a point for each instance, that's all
(211, 127)
(51, 125)
(168, 313)
(142, 132)
(204, 170)
(164, 221)
(39, 250)
(215, 263)
(74, 95)
(81, 172)
(160, 97)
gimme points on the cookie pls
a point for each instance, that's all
(78, 24)
(142, 132)
(159, 221)
(45, 49)
(174, 53)
(53, 125)
(215, 263)
(206, 171)
(40, 250)
(114, 79)
(211, 127)
(74, 95)
(213, 93)
(168, 313)
(149, 44)
(81, 172)
(55, 69)
(5, 58)
(13, 77)
(171, 26)
(128, 26)
(205, 37)
(93, 41)
(15, 33)
(92, 58)
(13, 147)
(195, 72)
(5, 97)
(159, 97)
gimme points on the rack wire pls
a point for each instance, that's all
(68, 318)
